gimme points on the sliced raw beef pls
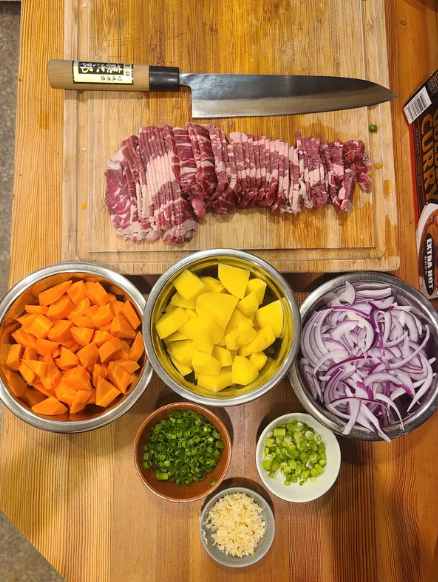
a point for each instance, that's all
(317, 192)
(158, 182)
(294, 198)
(224, 201)
(357, 159)
(121, 200)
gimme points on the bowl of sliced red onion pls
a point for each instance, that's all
(367, 366)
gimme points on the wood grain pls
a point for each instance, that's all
(315, 240)
(78, 498)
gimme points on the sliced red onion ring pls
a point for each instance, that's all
(362, 352)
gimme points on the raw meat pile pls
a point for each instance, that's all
(162, 181)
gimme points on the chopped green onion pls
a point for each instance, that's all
(183, 448)
(373, 128)
(297, 451)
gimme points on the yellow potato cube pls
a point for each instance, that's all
(188, 284)
(171, 322)
(184, 370)
(265, 337)
(243, 371)
(179, 301)
(245, 334)
(231, 340)
(271, 314)
(175, 337)
(170, 308)
(222, 343)
(257, 286)
(206, 365)
(220, 306)
(259, 359)
(238, 317)
(249, 305)
(233, 353)
(213, 284)
(242, 351)
(193, 327)
(182, 352)
(191, 312)
(234, 279)
(203, 342)
(223, 356)
(216, 383)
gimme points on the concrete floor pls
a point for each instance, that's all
(19, 560)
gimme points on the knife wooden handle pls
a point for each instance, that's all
(91, 76)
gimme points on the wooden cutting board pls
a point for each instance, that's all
(318, 37)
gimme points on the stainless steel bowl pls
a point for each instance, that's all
(200, 262)
(405, 295)
(25, 292)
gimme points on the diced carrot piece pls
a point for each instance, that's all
(14, 382)
(77, 292)
(121, 328)
(91, 311)
(27, 373)
(105, 327)
(38, 368)
(69, 344)
(131, 315)
(103, 315)
(137, 348)
(88, 355)
(112, 297)
(82, 335)
(115, 290)
(33, 397)
(43, 388)
(105, 392)
(117, 307)
(36, 309)
(92, 397)
(96, 293)
(53, 293)
(29, 354)
(80, 308)
(61, 308)
(50, 407)
(27, 320)
(14, 356)
(83, 321)
(65, 394)
(109, 348)
(41, 326)
(128, 365)
(119, 377)
(98, 371)
(81, 401)
(77, 378)
(68, 359)
(100, 337)
(57, 352)
(23, 338)
(60, 331)
(44, 347)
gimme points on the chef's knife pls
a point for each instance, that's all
(224, 95)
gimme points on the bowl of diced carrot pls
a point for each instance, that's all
(72, 356)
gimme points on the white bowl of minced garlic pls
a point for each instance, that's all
(237, 527)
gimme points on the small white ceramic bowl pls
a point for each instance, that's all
(262, 547)
(309, 491)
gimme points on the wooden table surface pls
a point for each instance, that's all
(77, 498)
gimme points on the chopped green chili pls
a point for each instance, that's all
(183, 448)
(296, 450)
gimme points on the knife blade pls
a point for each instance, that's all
(223, 95)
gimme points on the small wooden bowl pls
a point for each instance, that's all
(172, 491)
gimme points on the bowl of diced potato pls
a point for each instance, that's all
(221, 327)
(72, 355)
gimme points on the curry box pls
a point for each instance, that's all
(421, 112)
